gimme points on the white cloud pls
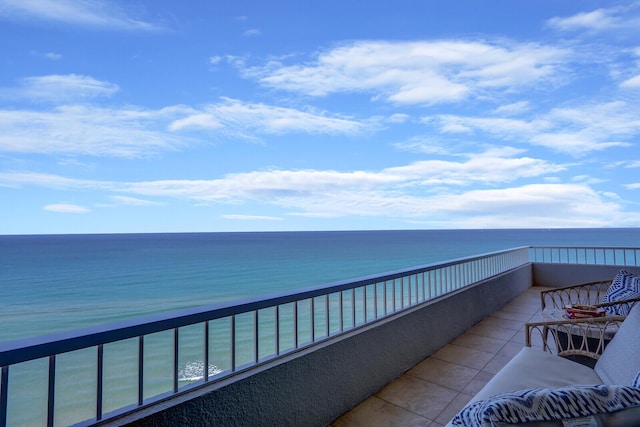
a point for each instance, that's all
(575, 131)
(252, 32)
(603, 19)
(87, 130)
(133, 201)
(53, 56)
(494, 166)
(472, 191)
(60, 88)
(66, 208)
(577, 144)
(93, 14)
(537, 205)
(513, 109)
(424, 72)
(238, 116)
(130, 132)
(251, 217)
(633, 82)
(595, 20)
(195, 121)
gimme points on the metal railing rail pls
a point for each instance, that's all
(255, 330)
(600, 255)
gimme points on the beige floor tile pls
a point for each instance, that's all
(495, 322)
(510, 349)
(512, 315)
(492, 332)
(477, 342)
(443, 373)
(453, 408)
(522, 307)
(463, 356)
(418, 396)
(476, 384)
(519, 337)
(496, 363)
(375, 412)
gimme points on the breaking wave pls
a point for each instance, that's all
(194, 371)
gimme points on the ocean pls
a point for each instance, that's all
(60, 282)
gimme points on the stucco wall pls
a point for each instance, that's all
(558, 275)
(314, 387)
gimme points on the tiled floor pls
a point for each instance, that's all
(431, 393)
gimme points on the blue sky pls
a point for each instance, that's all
(165, 116)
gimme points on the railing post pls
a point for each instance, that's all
(52, 391)
(176, 345)
(4, 390)
(140, 370)
(205, 374)
(100, 383)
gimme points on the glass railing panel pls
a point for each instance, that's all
(120, 375)
(287, 328)
(267, 337)
(191, 348)
(244, 341)
(75, 387)
(304, 322)
(158, 355)
(335, 313)
(220, 348)
(28, 385)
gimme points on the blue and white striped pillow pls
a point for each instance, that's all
(548, 404)
(624, 286)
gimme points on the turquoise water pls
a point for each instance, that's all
(52, 283)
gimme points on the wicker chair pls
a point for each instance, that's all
(586, 293)
(588, 336)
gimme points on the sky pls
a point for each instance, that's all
(205, 116)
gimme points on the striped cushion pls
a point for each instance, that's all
(548, 404)
(624, 286)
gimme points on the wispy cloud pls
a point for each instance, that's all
(251, 217)
(60, 88)
(133, 201)
(423, 72)
(574, 130)
(297, 187)
(53, 56)
(66, 208)
(603, 19)
(131, 132)
(633, 82)
(93, 14)
(253, 32)
(513, 109)
(476, 190)
(88, 130)
(242, 117)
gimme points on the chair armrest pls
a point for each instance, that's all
(585, 337)
(585, 293)
(628, 302)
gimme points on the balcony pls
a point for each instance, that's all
(432, 392)
(312, 357)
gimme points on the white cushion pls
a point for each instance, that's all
(620, 361)
(534, 368)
